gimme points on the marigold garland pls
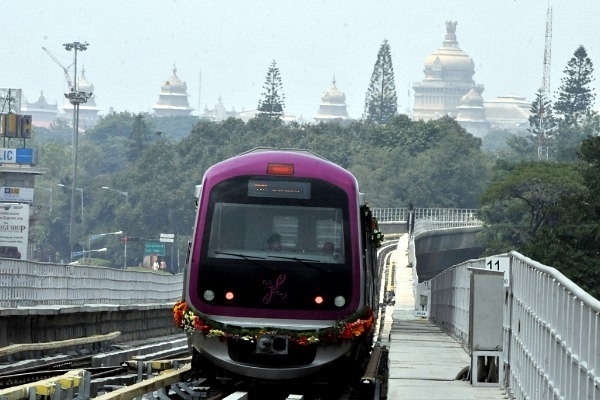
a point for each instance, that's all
(353, 327)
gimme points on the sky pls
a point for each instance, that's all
(223, 48)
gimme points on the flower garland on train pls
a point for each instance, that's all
(353, 327)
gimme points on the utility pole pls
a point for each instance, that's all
(542, 136)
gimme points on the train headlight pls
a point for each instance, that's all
(208, 295)
(339, 301)
(319, 300)
(229, 296)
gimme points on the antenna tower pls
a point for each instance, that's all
(542, 136)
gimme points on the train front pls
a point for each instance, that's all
(274, 285)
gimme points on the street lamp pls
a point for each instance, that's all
(84, 252)
(79, 190)
(75, 97)
(120, 192)
(98, 236)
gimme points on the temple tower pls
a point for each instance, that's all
(173, 98)
(333, 107)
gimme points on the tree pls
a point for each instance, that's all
(138, 139)
(575, 97)
(273, 101)
(381, 102)
(542, 122)
(571, 244)
(523, 199)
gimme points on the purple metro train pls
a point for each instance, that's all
(281, 279)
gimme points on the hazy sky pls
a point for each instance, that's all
(223, 48)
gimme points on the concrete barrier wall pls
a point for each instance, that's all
(53, 324)
(437, 250)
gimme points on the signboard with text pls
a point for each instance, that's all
(17, 156)
(14, 230)
(155, 248)
(10, 194)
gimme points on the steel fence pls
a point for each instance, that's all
(436, 214)
(551, 328)
(28, 284)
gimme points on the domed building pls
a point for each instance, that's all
(472, 114)
(449, 89)
(448, 77)
(88, 111)
(333, 107)
(509, 113)
(173, 98)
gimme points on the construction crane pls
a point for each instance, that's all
(65, 69)
(542, 136)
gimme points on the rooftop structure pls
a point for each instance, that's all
(42, 113)
(173, 98)
(88, 111)
(448, 77)
(333, 107)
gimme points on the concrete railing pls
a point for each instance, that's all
(28, 284)
(551, 327)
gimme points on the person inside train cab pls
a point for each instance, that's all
(274, 242)
(328, 248)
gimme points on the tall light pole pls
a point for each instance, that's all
(76, 98)
(120, 192)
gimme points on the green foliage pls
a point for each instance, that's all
(273, 101)
(138, 138)
(521, 148)
(575, 97)
(381, 102)
(541, 120)
(59, 130)
(522, 199)
(395, 163)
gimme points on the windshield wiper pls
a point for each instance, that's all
(251, 259)
(304, 261)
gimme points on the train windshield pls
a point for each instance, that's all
(275, 220)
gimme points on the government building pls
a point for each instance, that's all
(448, 89)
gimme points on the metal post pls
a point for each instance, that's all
(75, 98)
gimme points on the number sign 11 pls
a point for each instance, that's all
(499, 263)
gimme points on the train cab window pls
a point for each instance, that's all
(243, 230)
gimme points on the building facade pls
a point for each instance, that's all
(173, 98)
(42, 112)
(333, 108)
(448, 89)
(448, 77)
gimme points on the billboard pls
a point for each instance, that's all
(14, 230)
(17, 156)
(11, 194)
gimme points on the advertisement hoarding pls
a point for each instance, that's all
(14, 230)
